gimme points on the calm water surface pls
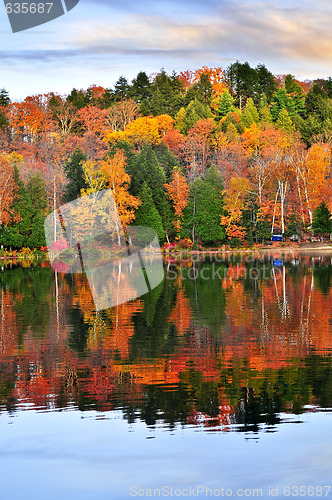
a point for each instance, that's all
(219, 378)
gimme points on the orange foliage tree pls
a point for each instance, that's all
(118, 181)
(217, 78)
(235, 202)
(178, 191)
(29, 118)
(7, 186)
(311, 168)
(93, 119)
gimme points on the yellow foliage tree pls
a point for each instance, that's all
(149, 129)
(118, 181)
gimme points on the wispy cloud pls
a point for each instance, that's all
(255, 31)
(100, 37)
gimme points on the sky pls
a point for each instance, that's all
(100, 40)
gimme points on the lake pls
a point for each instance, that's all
(216, 383)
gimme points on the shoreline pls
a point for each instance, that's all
(269, 249)
(174, 252)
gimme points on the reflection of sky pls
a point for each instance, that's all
(72, 455)
(99, 40)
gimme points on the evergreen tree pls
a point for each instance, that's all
(290, 97)
(166, 96)
(36, 188)
(285, 122)
(250, 114)
(75, 175)
(313, 100)
(38, 195)
(18, 231)
(166, 159)
(264, 111)
(266, 84)
(4, 123)
(141, 87)
(121, 89)
(294, 226)
(4, 101)
(79, 98)
(295, 95)
(205, 206)
(180, 120)
(328, 86)
(242, 81)
(37, 236)
(107, 100)
(196, 111)
(201, 90)
(145, 168)
(311, 126)
(322, 223)
(147, 214)
(226, 104)
(4, 98)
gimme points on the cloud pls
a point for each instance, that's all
(256, 31)
(105, 39)
(261, 31)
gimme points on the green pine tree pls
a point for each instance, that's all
(18, 231)
(322, 223)
(38, 194)
(147, 214)
(4, 98)
(285, 122)
(250, 114)
(166, 159)
(226, 104)
(75, 175)
(201, 90)
(265, 116)
(196, 111)
(205, 206)
(4, 123)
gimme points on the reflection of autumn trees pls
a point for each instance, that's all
(9, 329)
(218, 353)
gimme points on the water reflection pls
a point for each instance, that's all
(222, 344)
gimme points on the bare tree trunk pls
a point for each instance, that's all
(274, 211)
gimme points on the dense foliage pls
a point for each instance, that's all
(212, 155)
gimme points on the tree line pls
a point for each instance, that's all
(207, 156)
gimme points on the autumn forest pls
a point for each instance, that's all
(205, 157)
